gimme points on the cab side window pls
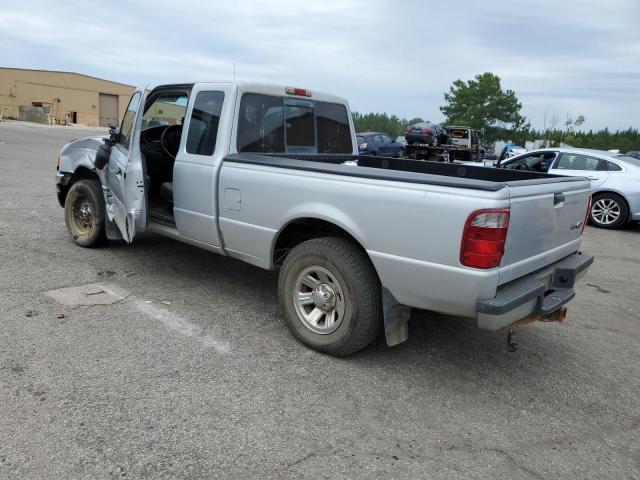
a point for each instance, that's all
(203, 125)
(129, 118)
(576, 161)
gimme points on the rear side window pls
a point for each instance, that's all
(203, 127)
(334, 134)
(267, 122)
(576, 161)
(261, 124)
(360, 139)
(613, 167)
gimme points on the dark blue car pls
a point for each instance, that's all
(378, 143)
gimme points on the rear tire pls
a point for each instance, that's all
(331, 296)
(608, 210)
(84, 213)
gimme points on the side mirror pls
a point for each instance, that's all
(114, 135)
(102, 155)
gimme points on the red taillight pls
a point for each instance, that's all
(483, 238)
(425, 130)
(301, 92)
(586, 215)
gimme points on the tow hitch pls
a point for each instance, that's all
(558, 316)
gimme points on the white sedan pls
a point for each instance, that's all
(615, 179)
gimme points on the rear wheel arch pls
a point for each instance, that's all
(302, 229)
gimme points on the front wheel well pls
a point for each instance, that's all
(304, 229)
(81, 173)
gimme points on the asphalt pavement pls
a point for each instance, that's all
(190, 372)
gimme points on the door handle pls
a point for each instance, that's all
(592, 178)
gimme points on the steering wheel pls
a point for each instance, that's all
(170, 140)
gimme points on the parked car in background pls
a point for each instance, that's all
(378, 143)
(510, 150)
(426, 133)
(634, 154)
(615, 179)
(400, 139)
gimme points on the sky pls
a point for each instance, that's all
(563, 57)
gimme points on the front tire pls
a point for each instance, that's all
(608, 210)
(331, 296)
(84, 213)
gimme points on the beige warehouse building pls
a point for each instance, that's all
(47, 96)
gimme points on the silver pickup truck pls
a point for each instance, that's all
(271, 176)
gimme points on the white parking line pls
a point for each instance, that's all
(181, 326)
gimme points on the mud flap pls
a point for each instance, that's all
(396, 319)
(113, 232)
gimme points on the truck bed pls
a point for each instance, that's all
(408, 215)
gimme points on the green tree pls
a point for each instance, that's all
(481, 103)
(382, 122)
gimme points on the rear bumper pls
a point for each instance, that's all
(418, 138)
(634, 206)
(542, 292)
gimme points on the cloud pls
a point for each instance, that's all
(399, 57)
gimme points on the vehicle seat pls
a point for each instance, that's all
(166, 191)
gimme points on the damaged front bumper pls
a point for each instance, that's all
(62, 186)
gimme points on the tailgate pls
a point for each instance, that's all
(545, 224)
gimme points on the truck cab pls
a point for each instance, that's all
(163, 161)
(466, 143)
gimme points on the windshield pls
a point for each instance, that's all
(166, 109)
(459, 133)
